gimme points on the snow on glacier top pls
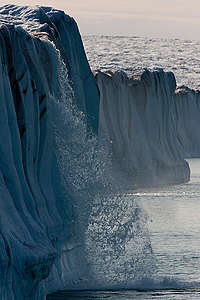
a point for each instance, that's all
(31, 18)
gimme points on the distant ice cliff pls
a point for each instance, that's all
(188, 120)
(53, 169)
(139, 118)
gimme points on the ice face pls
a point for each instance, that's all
(187, 105)
(139, 117)
(51, 167)
(35, 219)
(57, 185)
(43, 22)
(24, 215)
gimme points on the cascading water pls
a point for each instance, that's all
(108, 244)
(66, 220)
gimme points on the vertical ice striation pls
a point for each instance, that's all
(63, 31)
(29, 218)
(139, 118)
(35, 220)
(188, 120)
(53, 174)
(64, 220)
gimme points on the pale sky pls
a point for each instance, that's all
(150, 18)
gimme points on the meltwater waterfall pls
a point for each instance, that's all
(71, 145)
(64, 221)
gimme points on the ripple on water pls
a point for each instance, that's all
(134, 54)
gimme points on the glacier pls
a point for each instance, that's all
(54, 174)
(71, 142)
(34, 83)
(139, 115)
(188, 111)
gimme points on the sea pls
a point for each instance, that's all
(135, 54)
(173, 211)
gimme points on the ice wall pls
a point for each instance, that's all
(27, 198)
(38, 215)
(56, 190)
(188, 120)
(139, 118)
(63, 31)
(54, 175)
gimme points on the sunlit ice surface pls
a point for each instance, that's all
(173, 222)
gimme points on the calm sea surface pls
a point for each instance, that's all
(173, 211)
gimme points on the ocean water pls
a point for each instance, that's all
(173, 211)
(173, 223)
(134, 54)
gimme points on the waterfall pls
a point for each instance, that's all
(60, 204)
(108, 243)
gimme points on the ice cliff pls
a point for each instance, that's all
(43, 22)
(57, 230)
(37, 213)
(55, 186)
(188, 120)
(139, 118)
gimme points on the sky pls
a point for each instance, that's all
(149, 18)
